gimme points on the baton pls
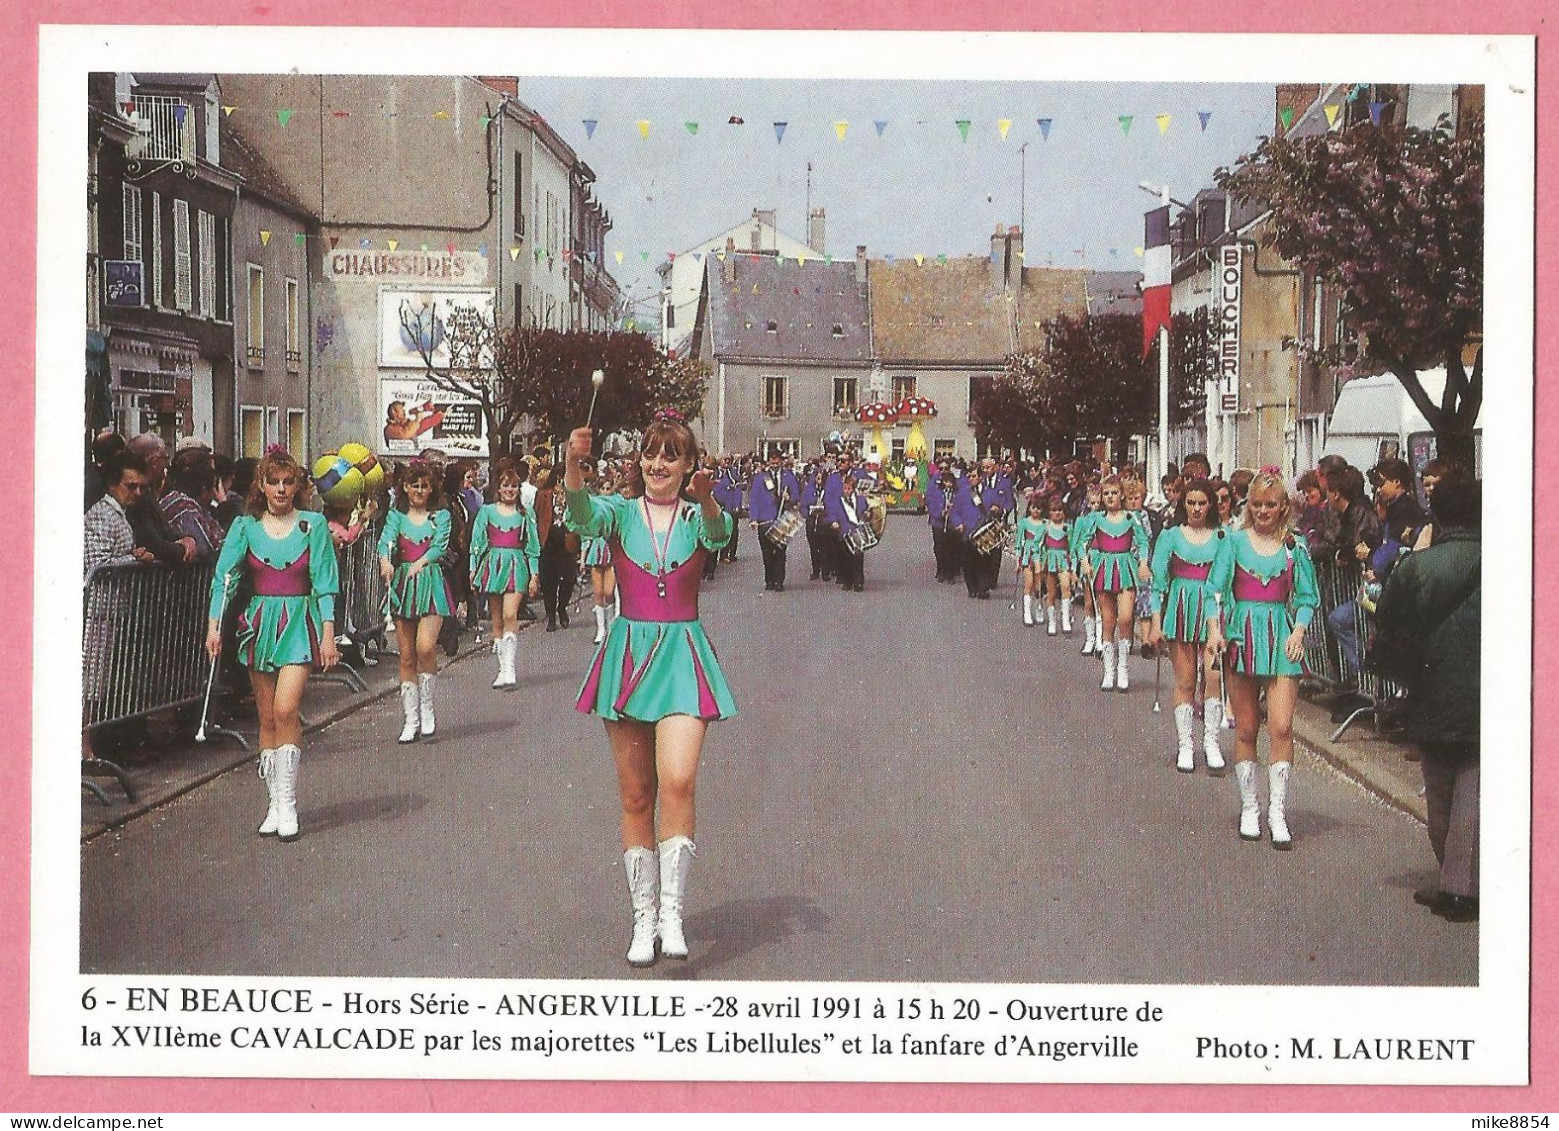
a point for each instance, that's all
(200, 735)
(597, 379)
(1158, 667)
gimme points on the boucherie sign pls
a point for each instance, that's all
(468, 267)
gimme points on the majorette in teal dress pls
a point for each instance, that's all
(1264, 597)
(1028, 541)
(1056, 548)
(505, 550)
(1180, 571)
(1114, 546)
(295, 582)
(405, 542)
(655, 660)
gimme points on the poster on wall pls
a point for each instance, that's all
(414, 325)
(417, 414)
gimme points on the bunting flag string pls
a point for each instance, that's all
(265, 238)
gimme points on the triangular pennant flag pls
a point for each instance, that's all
(449, 247)
(590, 125)
(227, 111)
(265, 238)
(619, 256)
(482, 251)
(1331, 114)
(1020, 256)
(1286, 116)
(1204, 116)
(840, 129)
(284, 116)
(424, 247)
(444, 114)
(341, 114)
(1003, 125)
(538, 255)
(1375, 112)
(514, 255)
(487, 120)
(297, 239)
(644, 127)
(698, 257)
(880, 127)
(1137, 251)
(1163, 124)
(179, 110)
(779, 131)
(920, 261)
(394, 244)
(755, 288)
(1044, 128)
(365, 242)
(692, 128)
(129, 107)
(333, 241)
(735, 120)
(963, 129)
(671, 257)
(801, 261)
(888, 259)
(942, 259)
(568, 254)
(795, 290)
(1125, 120)
(645, 256)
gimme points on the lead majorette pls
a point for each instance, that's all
(1114, 550)
(774, 491)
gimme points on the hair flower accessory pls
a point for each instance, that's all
(1273, 470)
(669, 415)
(277, 450)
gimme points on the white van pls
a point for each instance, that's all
(1375, 419)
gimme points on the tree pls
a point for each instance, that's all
(1392, 215)
(468, 338)
(1006, 410)
(1193, 356)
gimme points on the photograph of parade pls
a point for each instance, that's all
(1009, 532)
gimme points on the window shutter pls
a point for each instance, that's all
(182, 297)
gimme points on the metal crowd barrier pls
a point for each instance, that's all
(1339, 584)
(359, 607)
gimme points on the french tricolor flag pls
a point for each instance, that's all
(1155, 275)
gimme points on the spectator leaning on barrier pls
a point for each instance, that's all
(1404, 518)
(151, 528)
(106, 445)
(1360, 537)
(110, 539)
(185, 504)
(1433, 604)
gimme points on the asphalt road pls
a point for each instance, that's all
(916, 788)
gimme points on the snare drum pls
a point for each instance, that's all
(784, 528)
(988, 536)
(861, 539)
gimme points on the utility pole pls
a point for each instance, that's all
(1023, 184)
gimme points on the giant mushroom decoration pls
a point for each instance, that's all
(915, 410)
(878, 415)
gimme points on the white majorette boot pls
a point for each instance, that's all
(1277, 804)
(1050, 620)
(1107, 654)
(1212, 723)
(1250, 809)
(268, 774)
(1090, 634)
(1028, 608)
(506, 645)
(643, 868)
(514, 659)
(600, 624)
(409, 708)
(1185, 758)
(287, 759)
(426, 682)
(675, 856)
(1122, 679)
(1066, 617)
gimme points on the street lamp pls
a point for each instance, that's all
(1157, 274)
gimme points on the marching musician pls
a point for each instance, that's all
(969, 510)
(774, 491)
(819, 537)
(847, 511)
(939, 506)
(729, 488)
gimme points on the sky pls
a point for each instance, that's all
(918, 187)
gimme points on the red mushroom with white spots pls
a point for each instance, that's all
(879, 415)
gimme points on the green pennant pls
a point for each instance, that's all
(284, 116)
(297, 238)
(963, 129)
(1125, 120)
(644, 255)
(1287, 116)
(486, 120)
(692, 127)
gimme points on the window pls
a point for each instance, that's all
(251, 431)
(154, 265)
(671, 315)
(224, 274)
(519, 199)
(208, 265)
(254, 354)
(897, 444)
(776, 392)
(786, 449)
(297, 432)
(771, 327)
(273, 427)
(838, 329)
(294, 327)
(845, 393)
(903, 388)
(977, 388)
(182, 283)
(132, 222)
(944, 449)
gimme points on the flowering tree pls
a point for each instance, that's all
(1393, 216)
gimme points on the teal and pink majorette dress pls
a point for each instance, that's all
(406, 542)
(294, 580)
(505, 550)
(1029, 541)
(1264, 598)
(655, 660)
(1114, 547)
(1180, 571)
(1055, 548)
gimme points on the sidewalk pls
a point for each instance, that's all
(1377, 763)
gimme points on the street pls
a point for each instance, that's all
(917, 788)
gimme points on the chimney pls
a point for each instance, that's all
(860, 265)
(1015, 259)
(999, 258)
(504, 84)
(728, 267)
(815, 230)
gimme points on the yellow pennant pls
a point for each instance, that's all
(1137, 251)
(1004, 124)
(1163, 124)
(265, 238)
(644, 127)
(441, 114)
(619, 257)
(227, 111)
(1020, 256)
(514, 254)
(394, 244)
(920, 261)
(1331, 114)
(840, 129)
(801, 261)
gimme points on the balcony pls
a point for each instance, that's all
(294, 360)
(164, 135)
(255, 356)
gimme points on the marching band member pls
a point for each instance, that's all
(1182, 560)
(655, 680)
(936, 501)
(944, 541)
(729, 487)
(773, 491)
(1055, 565)
(972, 507)
(411, 547)
(1264, 590)
(846, 512)
(505, 565)
(819, 538)
(289, 623)
(1114, 549)
(1029, 545)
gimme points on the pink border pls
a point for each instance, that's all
(20, 1093)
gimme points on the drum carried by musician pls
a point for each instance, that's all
(773, 508)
